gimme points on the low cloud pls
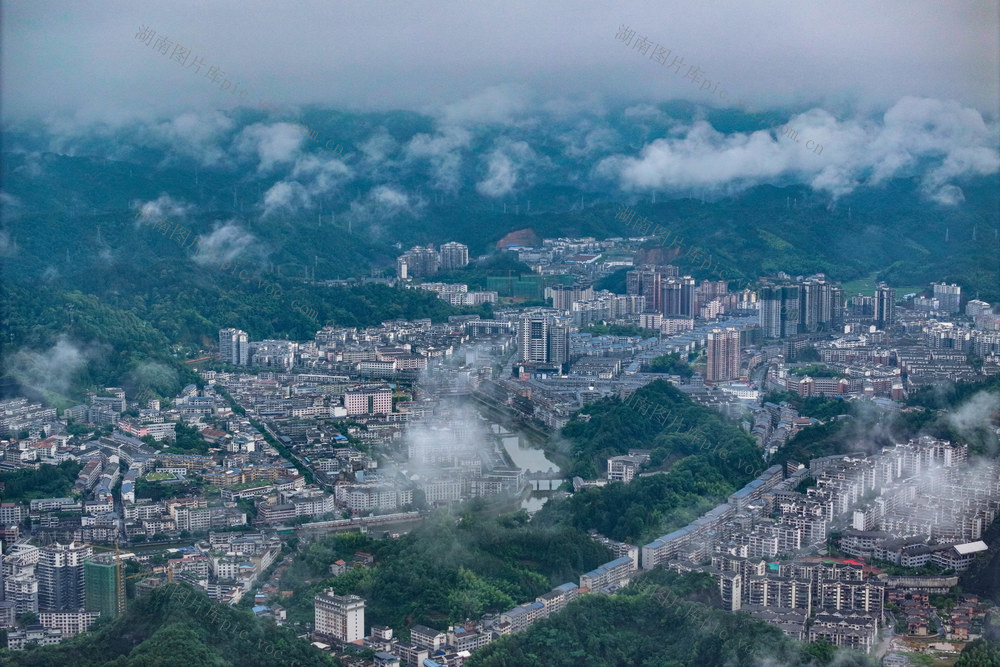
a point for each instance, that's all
(444, 152)
(51, 371)
(385, 202)
(510, 164)
(227, 241)
(941, 139)
(277, 143)
(7, 247)
(496, 105)
(196, 135)
(501, 177)
(285, 197)
(976, 417)
(10, 207)
(310, 178)
(153, 375)
(163, 206)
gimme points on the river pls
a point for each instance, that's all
(528, 458)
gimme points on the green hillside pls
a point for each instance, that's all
(175, 626)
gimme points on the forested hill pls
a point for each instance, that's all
(703, 459)
(671, 425)
(175, 626)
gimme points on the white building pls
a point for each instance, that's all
(368, 401)
(70, 623)
(340, 616)
(624, 468)
(17, 640)
(234, 347)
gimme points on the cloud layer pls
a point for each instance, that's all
(940, 139)
(470, 59)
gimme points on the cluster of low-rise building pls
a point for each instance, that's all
(340, 619)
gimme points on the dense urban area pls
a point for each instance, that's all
(520, 334)
(310, 482)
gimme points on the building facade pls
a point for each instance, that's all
(104, 587)
(61, 575)
(340, 616)
(723, 355)
(234, 347)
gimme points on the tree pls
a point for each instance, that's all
(670, 363)
(27, 618)
(808, 354)
(979, 653)
(822, 650)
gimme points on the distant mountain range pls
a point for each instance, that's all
(908, 198)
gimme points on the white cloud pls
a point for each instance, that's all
(942, 139)
(285, 196)
(198, 135)
(10, 207)
(496, 105)
(273, 144)
(501, 178)
(319, 175)
(311, 177)
(510, 164)
(227, 241)
(379, 146)
(163, 206)
(50, 370)
(444, 151)
(384, 202)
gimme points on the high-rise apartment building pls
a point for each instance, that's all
(949, 296)
(678, 296)
(647, 281)
(809, 306)
(779, 310)
(21, 590)
(454, 255)
(723, 355)
(339, 616)
(543, 339)
(368, 401)
(884, 306)
(19, 578)
(533, 339)
(60, 575)
(419, 262)
(104, 586)
(558, 347)
(862, 307)
(820, 305)
(234, 346)
(711, 289)
(563, 296)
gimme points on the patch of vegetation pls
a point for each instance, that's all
(446, 570)
(46, 482)
(670, 363)
(175, 625)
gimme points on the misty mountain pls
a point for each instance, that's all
(147, 215)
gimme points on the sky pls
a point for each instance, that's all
(524, 92)
(83, 59)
